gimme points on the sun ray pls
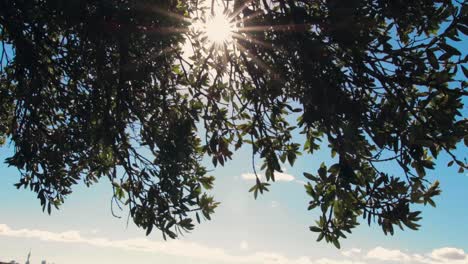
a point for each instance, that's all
(240, 9)
(256, 60)
(287, 27)
(253, 40)
(252, 16)
(163, 30)
(148, 7)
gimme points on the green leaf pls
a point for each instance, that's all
(463, 29)
(315, 229)
(310, 176)
(336, 243)
(432, 59)
(450, 49)
(465, 71)
(320, 237)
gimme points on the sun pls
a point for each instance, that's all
(219, 29)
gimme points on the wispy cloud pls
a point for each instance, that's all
(274, 204)
(279, 176)
(437, 256)
(351, 252)
(174, 247)
(194, 250)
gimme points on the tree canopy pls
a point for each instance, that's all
(99, 88)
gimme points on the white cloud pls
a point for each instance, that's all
(334, 261)
(194, 250)
(448, 253)
(251, 176)
(244, 245)
(384, 254)
(352, 252)
(279, 176)
(274, 204)
(444, 255)
(301, 182)
(173, 247)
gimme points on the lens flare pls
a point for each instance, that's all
(219, 29)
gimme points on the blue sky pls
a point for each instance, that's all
(271, 229)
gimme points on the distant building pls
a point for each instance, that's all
(29, 256)
(27, 261)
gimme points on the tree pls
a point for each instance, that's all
(93, 89)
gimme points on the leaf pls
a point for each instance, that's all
(450, 49)
(149, 229)
(463, 29)
(336, 243)
(315, 229)
(428, 164)
(431, 202)
(291, 157)
(465, 72)
(310, 176)
(320, 237)
(445, 56)
(432, 59)
(335, 169)
(322, 171)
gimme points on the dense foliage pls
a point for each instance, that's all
(92, 89)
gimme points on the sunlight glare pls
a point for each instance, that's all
(219, 29)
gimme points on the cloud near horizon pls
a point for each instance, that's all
(188, 249)
(439, 255)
